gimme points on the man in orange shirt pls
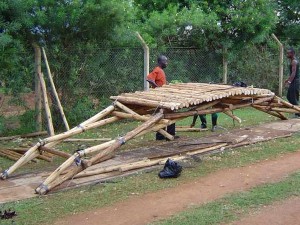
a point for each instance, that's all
(157, 78)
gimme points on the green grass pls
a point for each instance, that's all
(234, 206)
(49, 208)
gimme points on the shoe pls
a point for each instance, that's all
(203, 126)
(297, 115)
(214, 128)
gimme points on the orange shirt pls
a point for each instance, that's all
(158, 76)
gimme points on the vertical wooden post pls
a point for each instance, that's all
(38, 98)
(146, 61)
(46, 105)
(280, 71)
(225, 65)
(61, 110)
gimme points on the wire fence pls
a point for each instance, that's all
(85, 79)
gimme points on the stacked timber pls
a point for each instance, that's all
(184, 95)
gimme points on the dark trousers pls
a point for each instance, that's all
(293, 92)
(170, 130)
(214, 118)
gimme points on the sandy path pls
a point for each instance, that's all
(281, 213)
(162, 204)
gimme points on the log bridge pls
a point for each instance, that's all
(157, 109)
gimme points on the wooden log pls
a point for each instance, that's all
(137, 117)
(24, 135)
(28, 156)
(79, 129)
(214, 110)
(128, 136)
(284, 110)
(86, 139)
(282, 115)
(97, 171)
(268, 112)
(43, 157)
(289, 105)
(46, 105)
(61, 110)
(144, 163)
(55, 152)
(38, 94)
(52, 141)
(9, 156)
(149, 103)
(98, 116)
(230, 114)
(125, 108)
(189, 129)
(195, 152)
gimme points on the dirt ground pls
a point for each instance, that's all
(286, 212)
(162, 204)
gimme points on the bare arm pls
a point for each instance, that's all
(293, 74)
(152, 83)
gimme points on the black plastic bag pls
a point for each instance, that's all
(171, 170)
(240, 84)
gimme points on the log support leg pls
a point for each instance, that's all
(59, 175)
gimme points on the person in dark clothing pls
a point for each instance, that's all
(293, 80)
(214, 118)
(156, 79)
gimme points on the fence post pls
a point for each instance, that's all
(146, 60)
(38, 98)
(225, 65)
(280, 45)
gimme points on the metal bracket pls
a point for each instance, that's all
(4, 174)
(77, 161)
(121, 140)
(82, 128)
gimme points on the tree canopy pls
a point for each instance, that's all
(65, 25)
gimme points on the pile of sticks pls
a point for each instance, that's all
(16, 153)
(157, 109)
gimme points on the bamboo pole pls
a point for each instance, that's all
(230, 114)
(46, 105)
(55, 152)
(38, 94)
(128, 136)
(86, 139)
(225, 65)
(144, 163)
(61, 110)
(268, 112)
(55, 179)
(280, 69)
(195, 152)
(146, 60)
(28, 156)
(149, 103)
(24, 135)
(187, 129)
(33, 152)
(99, 115)
(289, 105)
(11, 157)
(143, 118)
(284, 110)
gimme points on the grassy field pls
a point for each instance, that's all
(46, 209)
